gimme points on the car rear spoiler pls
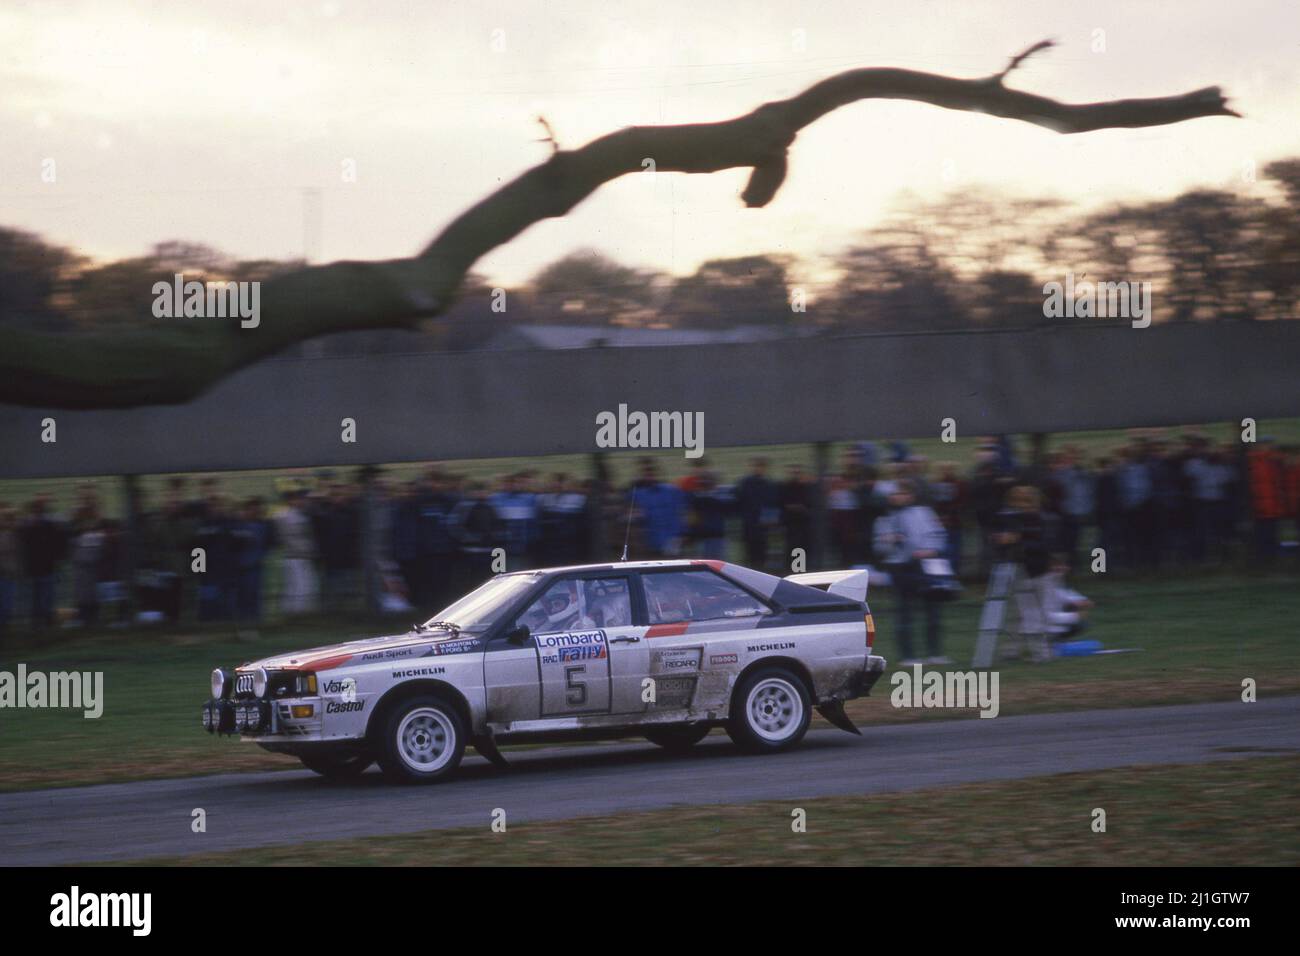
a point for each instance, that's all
(849, 584)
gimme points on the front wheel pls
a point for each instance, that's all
(679, 738)
(423, 740)
(770, 711)
(338, 768)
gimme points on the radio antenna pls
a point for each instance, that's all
(627, 534)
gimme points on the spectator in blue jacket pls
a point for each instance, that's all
(709, 509)
(516, 507)
(662, 508)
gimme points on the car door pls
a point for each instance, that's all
(611, 601)
(589, 657)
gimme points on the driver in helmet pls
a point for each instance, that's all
(560, 610)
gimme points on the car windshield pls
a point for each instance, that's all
(483, 607)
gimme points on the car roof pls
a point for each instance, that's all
(616, 566)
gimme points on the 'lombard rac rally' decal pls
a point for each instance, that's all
(572, 646)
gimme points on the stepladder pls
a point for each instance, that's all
(1030, 636)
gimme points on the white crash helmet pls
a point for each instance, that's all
(558, 613)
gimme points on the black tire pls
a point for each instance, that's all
(774, 720)
(677, 738)
(421, 730)
(338, 768)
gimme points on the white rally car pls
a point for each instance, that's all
(664, 649)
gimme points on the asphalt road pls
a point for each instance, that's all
(152, 818)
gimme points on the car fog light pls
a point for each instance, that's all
(207, 716)
(225, 717)
(260, 681)
(220, 683)
(303, 710)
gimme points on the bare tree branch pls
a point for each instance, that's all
(173, 360)
(1021, 57)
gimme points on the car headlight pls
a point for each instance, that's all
(260, 681)
(220, 683)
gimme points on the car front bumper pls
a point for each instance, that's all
(265, 720)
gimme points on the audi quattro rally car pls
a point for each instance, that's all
(665, 649)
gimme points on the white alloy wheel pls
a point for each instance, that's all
(774, 709)
(426, 739)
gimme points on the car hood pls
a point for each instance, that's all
(368, 650)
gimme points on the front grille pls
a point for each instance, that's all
(279, 684)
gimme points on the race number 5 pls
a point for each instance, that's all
(577, 689)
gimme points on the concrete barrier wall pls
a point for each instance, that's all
(504, 403)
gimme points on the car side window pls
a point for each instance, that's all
(573, 604)
(676, 596)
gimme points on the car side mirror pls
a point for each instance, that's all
(518, 634)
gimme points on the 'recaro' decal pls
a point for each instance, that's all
(676, 661)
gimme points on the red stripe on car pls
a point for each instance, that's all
(666, 630)
(324, 664)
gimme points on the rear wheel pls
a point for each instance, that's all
(336, 767)
(678, 738)
(770, 711)
(423, 740)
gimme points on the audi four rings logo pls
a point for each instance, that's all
(244, 685)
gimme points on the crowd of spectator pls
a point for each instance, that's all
(1155, 502)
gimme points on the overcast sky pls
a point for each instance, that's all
(206, 122)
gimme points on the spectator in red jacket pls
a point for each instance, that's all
(1292, 479)
(1266, 472)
